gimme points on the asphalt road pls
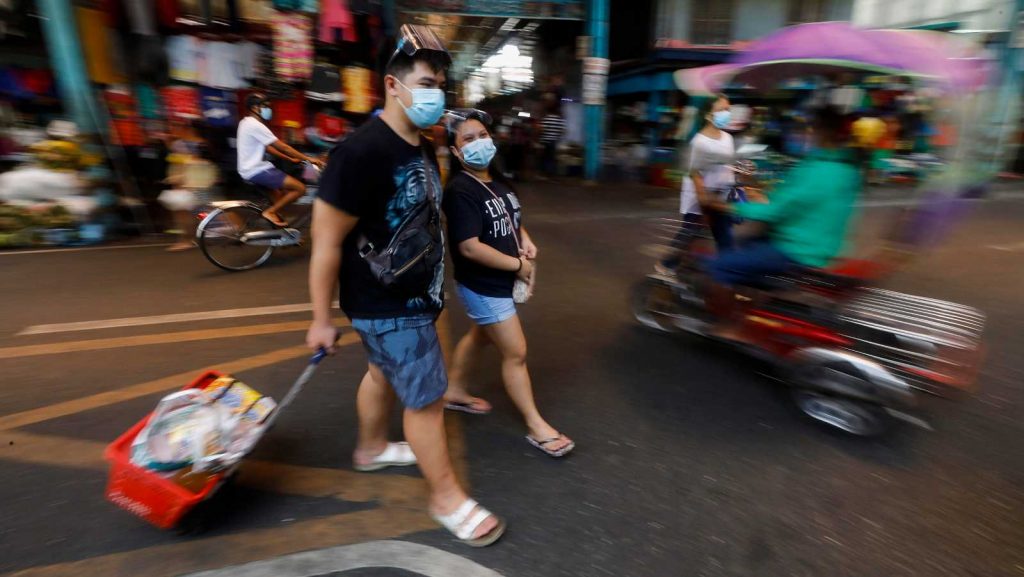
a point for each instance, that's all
(689, 461)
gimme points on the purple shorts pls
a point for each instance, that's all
(271, 178)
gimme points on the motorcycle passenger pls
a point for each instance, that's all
(804, 224)
(710, 178)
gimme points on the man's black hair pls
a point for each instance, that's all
(254, 99)
(403, 64)
(829, 125)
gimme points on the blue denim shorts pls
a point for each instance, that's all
(485, 310)
(271, 178)
(409, 354)
(749, 264)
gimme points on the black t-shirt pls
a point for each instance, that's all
(377, 176)
(473, 212)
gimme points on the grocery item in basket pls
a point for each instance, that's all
(218, 387)
(238, 397)
(183, 430)
(260, 410)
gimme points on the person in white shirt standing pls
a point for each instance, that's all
(254, 140)
(710, 178)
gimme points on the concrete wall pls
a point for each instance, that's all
(672, 20)
(971, 14)
(751, 18)
(755, 18)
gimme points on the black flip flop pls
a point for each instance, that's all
(465, 408)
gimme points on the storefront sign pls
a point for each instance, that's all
(595, 80)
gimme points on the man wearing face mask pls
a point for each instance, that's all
(254, 141)
(378, 181)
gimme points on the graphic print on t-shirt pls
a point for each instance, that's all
(410, 191)
(497, 209)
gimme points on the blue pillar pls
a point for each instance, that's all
(61, 34)
(594, 114)
(1008, 107)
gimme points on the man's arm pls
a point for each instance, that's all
(284, 150)
(329, 229)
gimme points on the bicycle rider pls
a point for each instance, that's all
(254, 140)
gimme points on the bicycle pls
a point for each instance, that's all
(235, 236)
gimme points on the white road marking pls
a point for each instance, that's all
(1017, 246)
(166, 319)
(419, 559)
(82, 249)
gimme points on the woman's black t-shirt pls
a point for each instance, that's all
(473, 212)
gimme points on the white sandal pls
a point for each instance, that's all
(461, 524)
(395, 455)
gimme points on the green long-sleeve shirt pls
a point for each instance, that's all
(809, 214)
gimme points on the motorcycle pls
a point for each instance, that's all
(855, 356)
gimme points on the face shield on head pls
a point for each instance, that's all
(415, 37)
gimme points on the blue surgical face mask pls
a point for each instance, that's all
(721, 119)
(266, 113)
(427, 105)
(479, 153)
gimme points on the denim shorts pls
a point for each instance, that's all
(409, 354)
(749, 264)
(271, 178)
(485, 310)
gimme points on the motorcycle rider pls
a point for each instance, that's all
(254, 141)
(804, 224)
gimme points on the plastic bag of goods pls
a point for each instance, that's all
(184, 431)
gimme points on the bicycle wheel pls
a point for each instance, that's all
(220, 238)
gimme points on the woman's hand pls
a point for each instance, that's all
(529, 249)
(526, 272)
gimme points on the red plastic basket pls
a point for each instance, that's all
(144, 493)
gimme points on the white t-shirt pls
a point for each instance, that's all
(711, 158)
(252, 141)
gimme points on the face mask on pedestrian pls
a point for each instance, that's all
(266, 113)
(721, 119)
(427, 105)
(479, 153)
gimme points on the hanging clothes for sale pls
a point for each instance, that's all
(357, 83)
(124, 118)
(98, 46)
(289, 113)
(150, 106)
(252, 57)
(167, 14)
(336, 22)
(256, 11)
(218, 107)
(326, 84)
(225, 66)
(141, 16)
(311, 6)
(293, 46)
(149, 62)
(185, 56)
(181, 102)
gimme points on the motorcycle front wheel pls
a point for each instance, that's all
(221, 234)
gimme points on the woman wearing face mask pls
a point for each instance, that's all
(710, 178)
(490, 250)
